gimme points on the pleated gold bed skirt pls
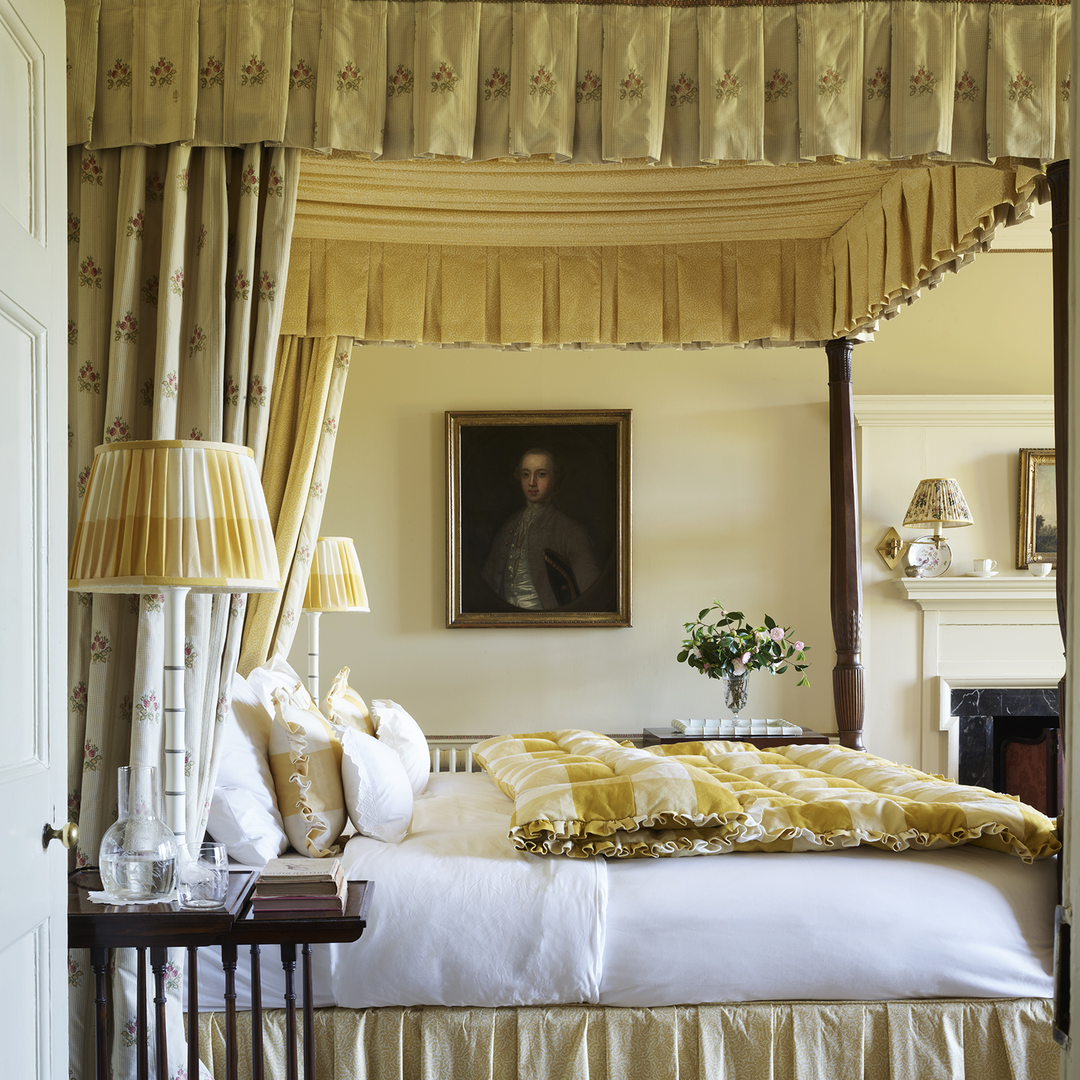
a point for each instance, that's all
(997, 1039)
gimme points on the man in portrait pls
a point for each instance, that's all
(541, 558)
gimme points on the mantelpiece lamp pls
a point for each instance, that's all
(334, 584)
(174, 517)
(938, 503)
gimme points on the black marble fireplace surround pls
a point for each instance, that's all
(991, 715)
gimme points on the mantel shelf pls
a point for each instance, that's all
(972, 593)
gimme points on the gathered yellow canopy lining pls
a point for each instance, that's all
(578, 793)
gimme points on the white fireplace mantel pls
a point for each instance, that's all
(982, 632)
(981, 594)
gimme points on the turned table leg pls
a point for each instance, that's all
(193, 1012)
(256, 1016)
(228, 964)
(288, 965)
(309, 1017)
(158, 959)
(99, 959)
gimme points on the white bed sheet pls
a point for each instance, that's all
(460, 917)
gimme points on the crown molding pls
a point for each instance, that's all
(954, 410)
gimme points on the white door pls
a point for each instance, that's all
(33, 572)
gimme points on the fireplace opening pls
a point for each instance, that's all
(1009, 741)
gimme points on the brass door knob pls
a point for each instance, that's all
(68, 835)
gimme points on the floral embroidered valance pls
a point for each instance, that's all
(676, 82)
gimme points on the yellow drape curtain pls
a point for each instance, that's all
(536, 254)
(305, 403)
(802, 1040)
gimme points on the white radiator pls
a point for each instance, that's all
(453, 753)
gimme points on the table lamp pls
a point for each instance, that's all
(334, 584)
(174, 517)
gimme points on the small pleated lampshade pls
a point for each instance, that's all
(938, 502)
(335, 582)
(185, 514)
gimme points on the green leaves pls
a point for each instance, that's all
(729, 645)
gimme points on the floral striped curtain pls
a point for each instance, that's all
(177, 264)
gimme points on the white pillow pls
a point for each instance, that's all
(251, 835)
(395, 727)
(243, 808)
(274, 674)
(305, 760)
(346, 707)
(378, 792)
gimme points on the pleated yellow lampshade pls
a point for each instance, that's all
(938, 502)
(335, 582)
(178, 514)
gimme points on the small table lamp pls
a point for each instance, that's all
(938, 503)
(334, 584)
(174, 517)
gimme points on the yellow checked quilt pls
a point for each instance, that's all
(580, 794)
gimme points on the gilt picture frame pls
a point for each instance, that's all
(1036, 531)
(538, 518)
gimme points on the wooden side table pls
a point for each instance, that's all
(288, 933)
(658, 736)
(100, 927)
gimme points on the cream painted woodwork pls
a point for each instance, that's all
(1067, 962)
(981, 633)
(33, 642)
(924, 637)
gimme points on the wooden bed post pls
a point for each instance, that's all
(849, 696)
(1057, 175)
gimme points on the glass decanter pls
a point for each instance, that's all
(138, 853)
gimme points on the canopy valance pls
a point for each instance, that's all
(534, 254)
(677, 82)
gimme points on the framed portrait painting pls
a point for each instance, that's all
(538, 518)
(1036, 531)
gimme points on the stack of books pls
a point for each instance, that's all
(300, 889)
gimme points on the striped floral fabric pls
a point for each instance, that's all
(580, 794)
(677, 82)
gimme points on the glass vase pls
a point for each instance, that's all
(137, 858)
(736, 688)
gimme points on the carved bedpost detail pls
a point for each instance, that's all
(846, 592)
(1057, 175)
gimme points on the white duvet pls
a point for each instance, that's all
(461, 917)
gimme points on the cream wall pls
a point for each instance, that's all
(730, 500)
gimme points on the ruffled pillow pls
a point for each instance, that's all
(378, 793)
(398, 730)
(305, 760)
(344, 706)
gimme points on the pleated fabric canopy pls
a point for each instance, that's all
(602, 173)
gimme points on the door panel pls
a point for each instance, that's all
(33, 502)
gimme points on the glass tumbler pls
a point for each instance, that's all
(202, 876)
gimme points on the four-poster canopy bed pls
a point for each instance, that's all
(647, 208)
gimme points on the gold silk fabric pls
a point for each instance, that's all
(973, 97)
(578, 793)
(533, 254)
(992, 1039)
(305, 405)
(677, 82)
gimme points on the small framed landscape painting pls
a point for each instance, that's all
(1037, 525)
(538, 518)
